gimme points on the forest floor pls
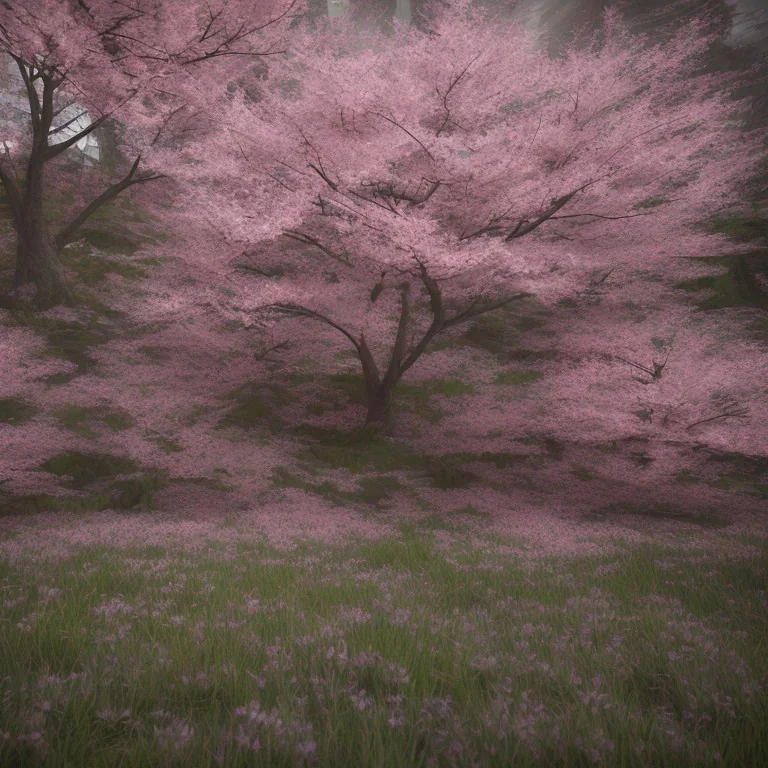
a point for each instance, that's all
(206, 569)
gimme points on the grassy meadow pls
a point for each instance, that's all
(419, 648)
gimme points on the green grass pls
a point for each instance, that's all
(99, 480)
(257, 407)
(518, 377)
(167, 444)
(743, 229)
(649, 202)
(110, 240)
(736, 472)
(81, 419)
(129, 494)
(14, 410)
(191, 417)
(85, 468)
(736, 286)
(75, 419)
(653, 510)
(360, 453)
(582, 473)
(70, 340)
(383, 653)
(118, 420)
(372, 490)
(723, 287)
(92, 270)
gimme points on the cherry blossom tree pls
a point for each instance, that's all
(141, 63)
(418, 182)
(676, 376)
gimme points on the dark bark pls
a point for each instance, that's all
(105, 197)
(380, 388)
(37, 260)
(37, 252)
(380, 417)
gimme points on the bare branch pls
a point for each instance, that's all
(164, 124)
(241, 33)
(743, 412)
(32, 97)
(402, 128)
(66, 125)
(393, 370)
(261, 355)
(660, 125)
(438, 319)
(635, 365)
(557, 204)
(323, 176)
(536, 133)
(472, 312)
(444, 96)
(601, 280)
(109, 194)
(309, 240)
(300, 311)
(599, 216)
(57, 149)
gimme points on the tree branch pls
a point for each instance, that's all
(413, 200)
(261, 355)
(393, 371)
(444, 96)
(323, 176)
(109, 194)
(557, 204)
(597, 215)
(298, 309)
(720, 416)
(370, 369)
(32, 97)
(165, 123)
(394, 122)
(223, 48)
(438, 319)
(470, 312)
(57, 149)
(13, 193)
(634, 365)
(308, 240)
(660, 125)
(218, 52)
(67, 124)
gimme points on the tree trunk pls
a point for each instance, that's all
(37, 260)
(379, 418)
(38, 263)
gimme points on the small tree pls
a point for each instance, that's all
(139, 62)
(440, 175)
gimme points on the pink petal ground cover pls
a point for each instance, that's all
(553, 546)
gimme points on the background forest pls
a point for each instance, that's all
(244, 432)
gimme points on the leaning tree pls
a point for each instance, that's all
(429, 178)
(148, 64)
